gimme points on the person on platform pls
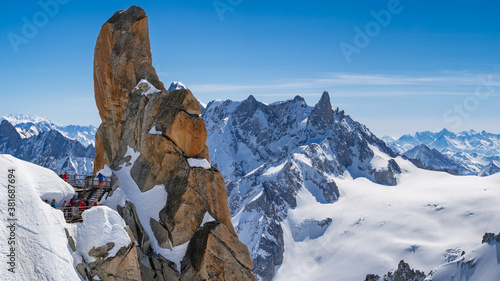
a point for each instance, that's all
(82, 205)
(101, 178)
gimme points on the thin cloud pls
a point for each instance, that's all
(356, 84)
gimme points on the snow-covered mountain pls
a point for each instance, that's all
(316, 196)
(48, 148)
(480, 264)
(490, 169)
(31, 125)
(313, 194)
(432, 158)
(269, 154)
(470, 149)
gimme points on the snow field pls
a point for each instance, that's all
(375, 226)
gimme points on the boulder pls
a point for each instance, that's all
(215, 254)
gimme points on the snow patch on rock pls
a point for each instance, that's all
(101, 225)
(147, 204)
(153, 131)
(150, 88)
(199, 163)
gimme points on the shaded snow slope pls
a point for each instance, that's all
(480, 264)
(42, 251)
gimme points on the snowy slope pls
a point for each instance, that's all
(480, 264)
(428, 219)
(472, 150)
(42, 251)
(41, 246)
(31, 125)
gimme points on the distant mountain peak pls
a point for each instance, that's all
(249, 106)
(471, 150)
(321, 118)
(31, 125)
(15, 118)
(176, 86)
(298, 98)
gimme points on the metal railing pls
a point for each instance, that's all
(74, 214)
(85, 183)
(82, 185)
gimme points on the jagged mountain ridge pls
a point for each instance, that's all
(49, 149)
(432, 158)
(31, 125)
(470, 149)
(269, 153)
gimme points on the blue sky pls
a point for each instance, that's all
(420, 66)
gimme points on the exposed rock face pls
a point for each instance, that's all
(490, 237)
(10, 137)
(216, 254)
(165, 129)
(403, 273)
(124, 266)
(321, 117)
(122, 57)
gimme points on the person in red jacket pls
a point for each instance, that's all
(65, 177)
(82, 205)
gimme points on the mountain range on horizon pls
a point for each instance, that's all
(28, 125)
(40, 141)
(470, 152)
(270, 154)
(465, 153)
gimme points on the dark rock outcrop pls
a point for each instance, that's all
(403, 273)
(321, 119)
(490, 237)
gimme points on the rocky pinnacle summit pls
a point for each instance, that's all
(153, 141)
